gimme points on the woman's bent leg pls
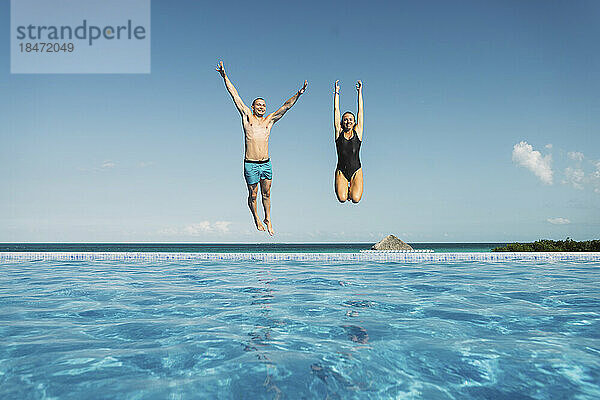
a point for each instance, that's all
(356, 186)
(341, 186)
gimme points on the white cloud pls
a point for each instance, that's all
(222, 226)
(144, 164)
(524, 155)
(169, 232)
(197, 229)
(108, 164)
(595, 177)
(548, 146)
(558, 221)
(580, 175)
(575, 155)
(574, 177)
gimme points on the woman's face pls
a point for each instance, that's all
(347, 121)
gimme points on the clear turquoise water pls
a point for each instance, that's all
(248, 330)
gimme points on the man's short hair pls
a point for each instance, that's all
(258, 98)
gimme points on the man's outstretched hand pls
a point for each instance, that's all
(358, 85)
(303, 88)
(221, 69)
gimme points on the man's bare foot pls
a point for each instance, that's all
(269, 227)
(259, 225)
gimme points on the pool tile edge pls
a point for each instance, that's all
(363, 256)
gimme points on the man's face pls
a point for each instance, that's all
(259, 107)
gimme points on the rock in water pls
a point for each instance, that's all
(391, 242)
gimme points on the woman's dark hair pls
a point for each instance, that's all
(351, 113)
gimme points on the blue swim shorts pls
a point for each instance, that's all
(255, 171)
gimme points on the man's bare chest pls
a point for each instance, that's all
(257, 130)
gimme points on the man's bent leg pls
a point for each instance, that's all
(265, 189)
(252, 195)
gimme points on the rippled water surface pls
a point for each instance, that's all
(248, 330)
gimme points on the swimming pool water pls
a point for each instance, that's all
(299, 330)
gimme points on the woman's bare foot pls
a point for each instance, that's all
(269, 227)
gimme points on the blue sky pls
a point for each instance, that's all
(481, 124)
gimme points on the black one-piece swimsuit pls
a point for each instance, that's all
(348, 154)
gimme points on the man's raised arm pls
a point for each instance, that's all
(237, 100)
(276, 116)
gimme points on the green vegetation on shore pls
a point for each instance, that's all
(552, 245)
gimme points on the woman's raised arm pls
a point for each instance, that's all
(359, 123)
(337, 118)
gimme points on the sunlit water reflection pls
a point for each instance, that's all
(249, 330)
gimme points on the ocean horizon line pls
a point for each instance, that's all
(234, 247)
(261, 243)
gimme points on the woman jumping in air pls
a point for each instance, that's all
(348, 138)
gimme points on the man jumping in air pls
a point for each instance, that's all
(257, 165)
